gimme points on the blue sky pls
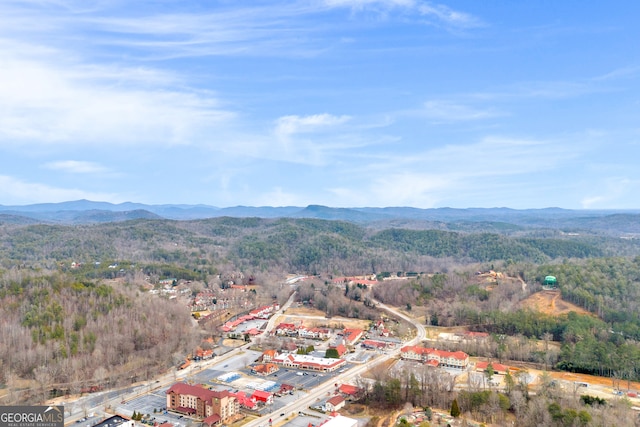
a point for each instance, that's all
(345, 103)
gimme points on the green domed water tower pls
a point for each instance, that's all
(550, 282)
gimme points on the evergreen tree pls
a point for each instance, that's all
(455, 409)
(332, 353)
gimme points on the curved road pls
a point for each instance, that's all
(321, 391)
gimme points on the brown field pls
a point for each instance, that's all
(312, 318)
(551, 302)
(593, 380)
(304, 311)
(233, 343)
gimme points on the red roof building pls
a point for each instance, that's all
(201, 402)
(498, 368)
(265, 311)
(374, 344)
(262, 396)
(349, 390)
(470, 335)
(341, 349)
(203, 354)
(303, 361)
(286, 388)
(335, 403)
(286, 329)
(448, 359)
(244, 400)
(351, 336)
(265, 369)
(268, 355)
(212, 420)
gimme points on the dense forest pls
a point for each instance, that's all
(302, 245)
(69, 335)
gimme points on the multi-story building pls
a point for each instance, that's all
(435, 357)
(200, 402)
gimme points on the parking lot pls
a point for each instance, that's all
(250, 324)
(306, 418)
(154, 402)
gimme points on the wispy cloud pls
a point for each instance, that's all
(14, 191)
(290, 125)
(619, 73)
(279, 197)
(76, 167)
(559, 89)
(610, 191)
(449, 16)
(437, 13)
(448, 111)
(44, 100)
(397, 188)
(172, 31)
(433, 176)
(362, 4)
(281, 29)
(500, 155)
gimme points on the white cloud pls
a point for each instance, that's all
(453, 172)
(592, 201)
(412, 188)
(443, 14)
(279, 197)
(361, 4)
(168, 32)
(75, 166)
(490, 156)
(17, 192)
(290, 125)
(611, 191)
(446, 111)
(394, 188)
(498, 155)
(624, 72)
(49, 100)
(449, 16)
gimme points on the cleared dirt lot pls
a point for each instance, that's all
(312, 318)
(551, 302)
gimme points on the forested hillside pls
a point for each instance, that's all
(304, 245)
(69, 334)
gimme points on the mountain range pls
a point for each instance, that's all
(87, 212)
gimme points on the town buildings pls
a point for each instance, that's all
(335, 403)
(435, 357)
(302, 361)
(199, 402)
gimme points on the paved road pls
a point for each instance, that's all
(272, 320)
(421, 332)
(321, 391)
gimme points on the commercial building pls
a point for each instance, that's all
(435, 357)
(199, 402)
